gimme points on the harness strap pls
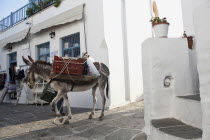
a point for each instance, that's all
(100, 67)
(51, 81)
(72, 87)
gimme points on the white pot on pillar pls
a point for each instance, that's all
(161, 30)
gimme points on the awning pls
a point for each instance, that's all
(69, 16)
(14, 38)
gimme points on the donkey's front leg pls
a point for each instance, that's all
(68, 106)
(55, 101)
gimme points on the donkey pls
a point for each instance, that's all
(41, 70)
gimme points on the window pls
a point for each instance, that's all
(13, 59)
(12, 66)
(71, 45)
(44, 52)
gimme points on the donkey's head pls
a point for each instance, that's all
(32, 78)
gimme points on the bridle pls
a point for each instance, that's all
(28, 80)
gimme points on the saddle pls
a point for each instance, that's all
(73, 69)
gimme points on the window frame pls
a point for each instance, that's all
(73, 49)
(39, 55)
(12, 61)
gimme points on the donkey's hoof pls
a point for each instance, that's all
(69, 117)
(61, 120)
(52, 105)
(90, 117)
(65, 122)
(101, 118)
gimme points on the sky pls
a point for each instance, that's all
(8, 6)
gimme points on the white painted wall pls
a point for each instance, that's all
(114, 41)
(188, 7)
(201, 28)
(193, 69)
(161, 58)
(138, 30)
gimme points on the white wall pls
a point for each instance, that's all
(114, 41)
(138, 29)
(188, 7)
(201, 27)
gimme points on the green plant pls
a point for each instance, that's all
(46, 2)
(57, 3)
(36, 7)
(156, 20)
(29, 12)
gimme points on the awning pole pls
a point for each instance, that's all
(83, 18)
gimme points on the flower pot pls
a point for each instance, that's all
(190, 42)
(161, 30)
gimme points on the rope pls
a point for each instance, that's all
(36, 84)
(68, 70)
(66, 67)
(63, 69)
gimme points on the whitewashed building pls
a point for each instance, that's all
(176, 79)
(110, 31)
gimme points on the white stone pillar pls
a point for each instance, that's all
(164, 57)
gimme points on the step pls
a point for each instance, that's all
(188, 110)
(172, 129)
(191, 97)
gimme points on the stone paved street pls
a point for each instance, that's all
(30, 122)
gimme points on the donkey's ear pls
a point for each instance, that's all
(31, 59)
(26, 61)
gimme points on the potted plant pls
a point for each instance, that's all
(57, 3)
(29, 12)
(160, 27)
(189, 40)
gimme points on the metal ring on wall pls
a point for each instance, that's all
(167, 81)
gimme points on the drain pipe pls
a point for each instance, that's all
(125, 51)
(84, 26)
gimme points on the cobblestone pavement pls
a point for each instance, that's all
(29, 122)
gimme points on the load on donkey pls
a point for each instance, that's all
(65, 80)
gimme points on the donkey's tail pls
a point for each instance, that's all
(107, 88)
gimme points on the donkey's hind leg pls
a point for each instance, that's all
(101, 88)
(94, 101)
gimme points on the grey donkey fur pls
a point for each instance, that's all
(41, 70)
